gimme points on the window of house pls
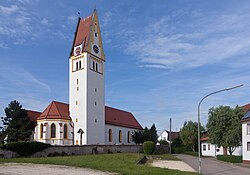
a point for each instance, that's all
(53, 130)
(129, 136)
(110, 135)
(164, 138)
(65, 131)
(208, 147)
(204, 147)
(248, 146)
(248, 129)
(120, 136)
(41, 131)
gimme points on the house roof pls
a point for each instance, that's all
(174, 135)
(33, 115)
(204, 139)
(120, 118)
(56, 110)
(246, 109)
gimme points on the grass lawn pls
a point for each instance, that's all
(120, 163)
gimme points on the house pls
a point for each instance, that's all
(208, 149)
(165, 136)
(245, 121)
(85, 120)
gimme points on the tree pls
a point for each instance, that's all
(145, 135)
(224, 127)
(17, 123)
(189, 134)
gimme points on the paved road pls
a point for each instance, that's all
(210, 166)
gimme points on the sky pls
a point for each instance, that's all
(162, 56)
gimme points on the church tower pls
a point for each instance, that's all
(86, 83)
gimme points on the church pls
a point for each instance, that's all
(85, 120)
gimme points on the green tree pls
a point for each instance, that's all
(224, 127)
(17, 123)
(189, 134)
(145, 135)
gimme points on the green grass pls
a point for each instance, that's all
(191, 153)
(229, 158)
(124, 164)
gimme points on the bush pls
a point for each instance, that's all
(229, 158)
(25, 148)
(148, 147)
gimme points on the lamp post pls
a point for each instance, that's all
(199, 141)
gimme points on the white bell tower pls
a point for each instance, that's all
(86, 83)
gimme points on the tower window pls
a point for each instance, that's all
(80, 64)
(95, 89)
(96, 66)
(77, 88)
(76, 65)
(93, 65)
(76, 102)
(77, 81)
(95, 34)
(53, 130)
(95, 120)
(95, 103)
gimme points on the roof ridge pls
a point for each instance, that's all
(50, 105)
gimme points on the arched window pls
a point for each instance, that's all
(80, 64)
(120, 136)
(53, 130)
(93, 65)
(41, 131)
(96, 66)
(77, 65)
(129, 136)
(65, 131)
(110, 135)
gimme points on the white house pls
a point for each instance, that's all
(165, 136)
(245, 121)
(208, 149)
(85, 120)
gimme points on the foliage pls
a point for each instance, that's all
(25, 148)
(121, 163)
(2, 136)
(163, 142)
(17, 123)
(189, 134)
(230, 158)
(224, 127)
(145, 135)
(148, 147)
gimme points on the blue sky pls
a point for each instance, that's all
(162, 57)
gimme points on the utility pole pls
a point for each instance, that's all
(170, 136)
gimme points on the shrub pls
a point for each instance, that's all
(148, 147)
(26, 148)
(229, 158)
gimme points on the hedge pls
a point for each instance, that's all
(148, 147)
(230, 158)
(25, 149)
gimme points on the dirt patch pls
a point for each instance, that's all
(172, 164)
(41, 169)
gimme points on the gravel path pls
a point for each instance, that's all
(42, 169)
(172, 164)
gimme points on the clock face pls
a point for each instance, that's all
(96, 49)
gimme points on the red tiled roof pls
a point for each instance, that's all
(174, 135)
(120, 118)
(246, 107)
(56, 110)
(204, 139)
(33, 115)
(82, 33)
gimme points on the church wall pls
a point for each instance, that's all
(115, 135)
(59, 137)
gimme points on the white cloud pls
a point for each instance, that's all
(8, 10)
(106, 19)
(45, 21)
(3, 46)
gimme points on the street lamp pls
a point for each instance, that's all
(199, 141)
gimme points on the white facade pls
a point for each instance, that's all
(208, 149)
(63, 132)
(246, 141)
(115, 135)
(163, 136)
